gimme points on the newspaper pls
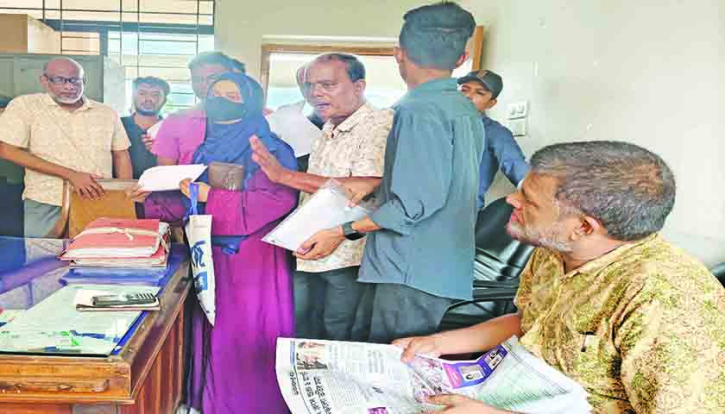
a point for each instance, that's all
(331, 377)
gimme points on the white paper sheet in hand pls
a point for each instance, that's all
(293, 127)
(168, 177)
(326, 209)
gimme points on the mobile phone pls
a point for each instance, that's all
(124, 299)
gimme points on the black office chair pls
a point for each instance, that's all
(719, 272)
(498, 263)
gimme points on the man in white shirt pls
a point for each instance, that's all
(61, 136)
(299, 124)
(351, 149)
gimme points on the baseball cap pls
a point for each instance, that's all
(490, 80)
(4, 101)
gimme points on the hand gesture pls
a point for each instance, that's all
(203, 190)
(458, 404)
(321, 244)
(85, 185)
(424, 345)
(358, 188)
(136, 194)
(267, 162)
(148, 141)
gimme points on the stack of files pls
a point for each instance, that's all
(120, 243)
(116, 276)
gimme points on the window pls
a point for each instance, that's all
(146, 37)
(384, 84)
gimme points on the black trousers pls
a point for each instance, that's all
(326, 304)
(391, 311)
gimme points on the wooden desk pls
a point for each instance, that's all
(145, 377)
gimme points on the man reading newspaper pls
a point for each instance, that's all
(332, 377)
(605, 299)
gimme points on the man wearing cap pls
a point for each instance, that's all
(502, 152)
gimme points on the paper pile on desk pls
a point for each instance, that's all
(124, 243)
(54, 326)
(345, 377)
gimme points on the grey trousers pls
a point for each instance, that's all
(326, 303)
(40, 218)
(391, 311)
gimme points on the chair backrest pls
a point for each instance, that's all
(719, 272)
(499, 257)
(497, 265)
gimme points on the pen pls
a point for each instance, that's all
(96, 336)
(56, 349)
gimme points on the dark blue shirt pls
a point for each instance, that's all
(141, 158)
(428, 194)
(502, 153)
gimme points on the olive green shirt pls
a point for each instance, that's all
(642, 328)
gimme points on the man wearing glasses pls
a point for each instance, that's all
(61, 136)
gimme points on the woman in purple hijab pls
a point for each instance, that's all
(233, 362)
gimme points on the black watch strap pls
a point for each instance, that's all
(350, 233)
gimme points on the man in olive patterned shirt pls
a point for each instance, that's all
(605, 299)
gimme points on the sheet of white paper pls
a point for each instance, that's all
(154, 129)
(168, 177)
(50, 322)
(293, 127)
(326, 209)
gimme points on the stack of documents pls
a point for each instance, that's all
(124, 243)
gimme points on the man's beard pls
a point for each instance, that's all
(66, 101)
(551, 238)
(144, 112)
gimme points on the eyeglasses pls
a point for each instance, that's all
(206, 79)
(62, 80)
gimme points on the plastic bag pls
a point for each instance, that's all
(198, 232)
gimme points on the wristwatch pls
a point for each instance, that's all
(350, 233)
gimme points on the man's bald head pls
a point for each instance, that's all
(62, 66)
(63, 80)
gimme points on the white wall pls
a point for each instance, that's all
(241, 24)
(645, 71)
(651, 72)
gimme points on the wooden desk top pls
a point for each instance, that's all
(76, 380)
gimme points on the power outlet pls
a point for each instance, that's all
(517, 127)
(517, 110)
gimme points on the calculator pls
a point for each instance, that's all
(124, 299)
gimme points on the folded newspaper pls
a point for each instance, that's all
(331, 377)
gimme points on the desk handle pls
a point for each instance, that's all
(8, 385)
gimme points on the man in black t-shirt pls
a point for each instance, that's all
(149, 97)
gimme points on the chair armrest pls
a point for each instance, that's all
(495, 284)
(487, 295)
